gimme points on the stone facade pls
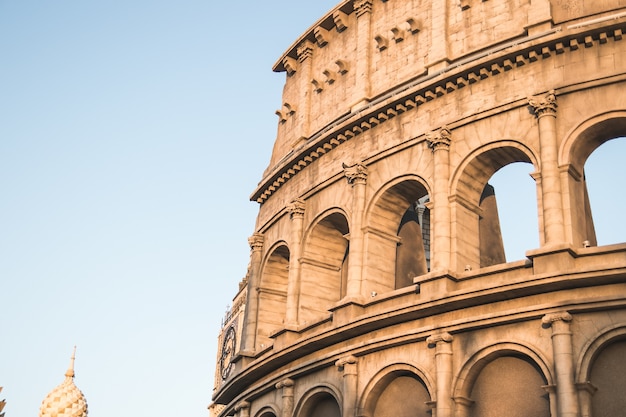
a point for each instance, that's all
(377, 283)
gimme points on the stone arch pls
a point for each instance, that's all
(272, 293)
(476, 379)
(397, 246)
(391, 381)
(578, 144)
(324, 264)
(475, 229)
(320, 401)
(599, 376)
(268, 410)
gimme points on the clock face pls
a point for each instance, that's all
(228, 351)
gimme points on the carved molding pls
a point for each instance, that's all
(548, 319)
(362, 7)
(440, 139)
(285, 383)
(296, 208)
(541, 106)
(256, 241)
(348, 360)
(443, 337)
(305, 51)
(356, 173)
(321, 36)
(290, 65)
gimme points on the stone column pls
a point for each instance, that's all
(363, 10)
(242, 409)
(305, 58)
(350, 379)
(442, 342)
(296, 212)
(439, 142)
(553, 223)
(252, 296)
(357, 177)
(287, 386)
(567, 399)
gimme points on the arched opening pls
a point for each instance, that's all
(607, 203)
(608, 376)
(516, 209)
(397, 237)
(324, 267)
(321, 404)
(272, 295)
(509, 386)
(476, 224)
(402, 394)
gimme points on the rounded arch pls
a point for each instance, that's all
(382, 380)
(475, 364)
(482, 163)
(583, 139)
(578, 145)
(272, 292)
(486, 386)
(324, 397)
(477, 240)
(591, 350)
(397, 234)
(268, 410)
(324, 264)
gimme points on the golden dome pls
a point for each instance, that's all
(66, 400)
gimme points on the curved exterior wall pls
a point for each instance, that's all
(377, 283)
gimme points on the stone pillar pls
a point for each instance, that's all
(242, 409)
(363, 10)
(585, 394)
(442, 342)
(305, 58)
(567, 399)
(553, 223)
(438, 54)
(439, 142)
(357, 177)
(252, 296)
(296, 212)
(350, 379)
(287, 386)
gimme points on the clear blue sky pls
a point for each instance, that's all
(131, 136)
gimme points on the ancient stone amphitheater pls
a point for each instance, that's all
(377, 283)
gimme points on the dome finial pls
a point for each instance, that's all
(70, 370)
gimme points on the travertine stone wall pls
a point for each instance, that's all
(395, 116)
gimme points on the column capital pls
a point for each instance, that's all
(305, 50)
(542, 106)
(348, 360)
(285, 383)
(256, 241)
(548, 319)
(296, 208)
(435, 339)
(243, 405)
(356, 173)
(363, 6)
(440, 139)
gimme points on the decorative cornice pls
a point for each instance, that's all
(548, 319)
(543, 106)
(415, 98)
(443, 337)
(340, 19)
(440, 139)
(256, 241)
(296, 208)
(356, 173)
(362, 6)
